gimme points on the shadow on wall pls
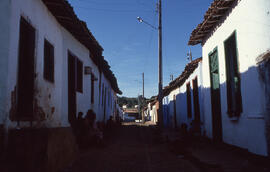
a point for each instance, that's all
(181, 110)
(255, 83)
(264, 72)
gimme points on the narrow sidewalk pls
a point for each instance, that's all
(209, 156)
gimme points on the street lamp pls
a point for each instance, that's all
(160, 87)
(142, 21)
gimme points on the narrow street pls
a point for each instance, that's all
(134, 86)
(131, 148)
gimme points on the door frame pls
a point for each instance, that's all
(217, 132)
(174, 111)
(72, 117)
(196, 104)
(18, 116)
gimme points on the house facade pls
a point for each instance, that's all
(51, 68)
(183, 100)
(151, 111)
(235, 44)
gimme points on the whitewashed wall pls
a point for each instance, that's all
(171, 107)
(153, 114)
(70, 44)
(109, 94)
(46, 27)
(51, 97)
(181, 100)
(250, 19)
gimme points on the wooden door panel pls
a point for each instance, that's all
(26, 70)
(215, 96)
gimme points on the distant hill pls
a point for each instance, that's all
(129, 101)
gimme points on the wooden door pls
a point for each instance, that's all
(26, 71)
(174, 111)
(72, 101)
(104, 107)
(196, 106)
(215, 96)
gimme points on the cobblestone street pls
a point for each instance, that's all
(131, 148)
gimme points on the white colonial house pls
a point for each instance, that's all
(182, 99)
(150, 111)
(235, 39)
(51, 68)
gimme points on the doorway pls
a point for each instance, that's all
(104, 103)
(26, 71)
(72, 101)
(215, 96)
(197, 119)
(174, 111)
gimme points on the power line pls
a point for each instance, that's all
(106, 3)
(113, 10)
(116, 3)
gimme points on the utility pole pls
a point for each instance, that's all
(143, 84)
(143, 98)
(189, 54)
(160, 85)
(171, 77)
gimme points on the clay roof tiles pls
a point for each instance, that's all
(65, 15)
(180, 80)
(213, 15)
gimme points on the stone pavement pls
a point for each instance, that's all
(143, 148)
(131, 148)
(210, 157)
(229, 158)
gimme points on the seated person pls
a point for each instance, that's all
(110, 123)
(95, 135)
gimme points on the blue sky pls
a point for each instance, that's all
(131, 48)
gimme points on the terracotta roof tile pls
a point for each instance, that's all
(65, 15)
(213, 15)
(180, 80)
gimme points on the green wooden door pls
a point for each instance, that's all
(215, 96)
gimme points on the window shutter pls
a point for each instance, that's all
(48, 72)
(234, 98)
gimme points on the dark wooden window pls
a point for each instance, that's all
(79, 76)
(102, 93)
(196, 99)
(26, 72)
(72, 99)
(234, 98)
(99, 87)
(189, 110)
(92, 88)
(174, 111)
(105, 96)
(48, 72)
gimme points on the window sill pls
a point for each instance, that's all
(255, 115)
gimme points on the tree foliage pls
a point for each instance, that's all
(130, 101)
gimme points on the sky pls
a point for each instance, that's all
(131, 48)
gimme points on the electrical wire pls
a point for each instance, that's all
(115, 3)
(113, 10)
